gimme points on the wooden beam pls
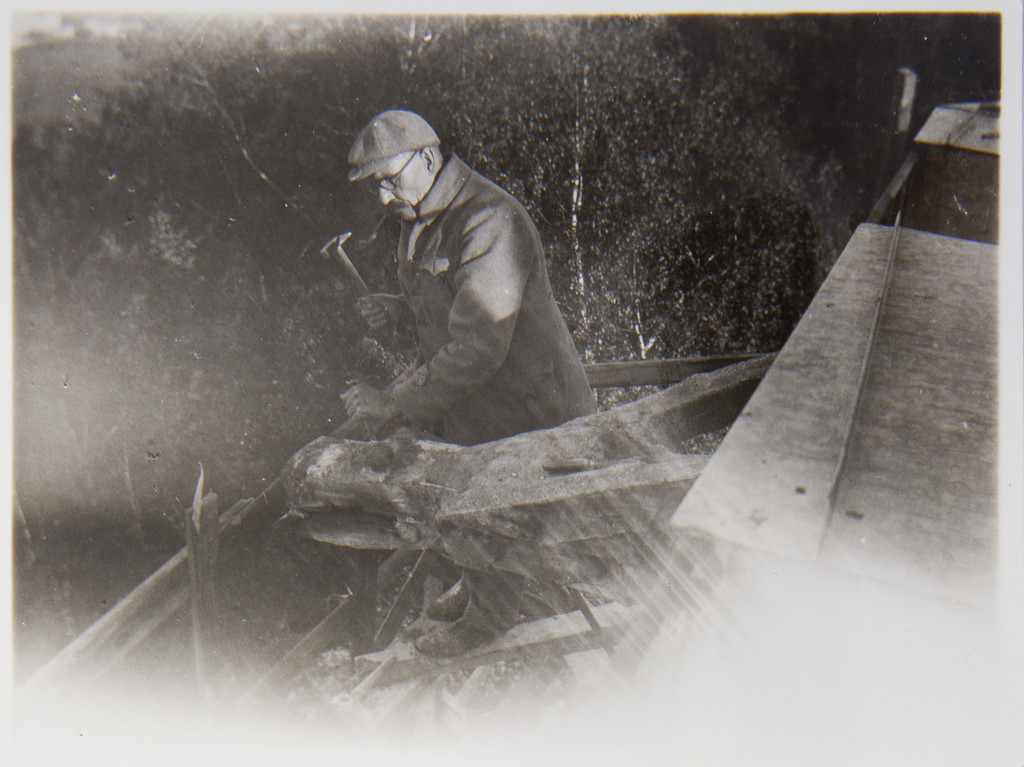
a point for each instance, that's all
(321, 638)
(131, 621)
(547, 503)
(657, 372)
(346, 618)
(364, 599)
(884, 210)
(201, 534)
(562, 633)
(918, 501)
(767, 485)
(399, 704)
(872, 335)
(917, 504)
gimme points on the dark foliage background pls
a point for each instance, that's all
(693, 178)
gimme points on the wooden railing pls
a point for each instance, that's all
(657, 372)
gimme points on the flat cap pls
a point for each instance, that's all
(388, 134)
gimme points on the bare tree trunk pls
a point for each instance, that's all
(644, 344)
(580, 283)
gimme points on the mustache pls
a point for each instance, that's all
(399, 210)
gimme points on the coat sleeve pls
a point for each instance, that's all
(488, 290)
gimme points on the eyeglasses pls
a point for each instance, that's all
(390, 182)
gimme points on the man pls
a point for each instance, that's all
(495, 356)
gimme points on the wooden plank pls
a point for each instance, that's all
(866, 357)
(474, 686)
(973, 127)
(884, 210)
(131, 621)
(500, 501)
(767, 485)
(657, 372)
(362, 689)
(400, 699)
(918, 497)
(342, 618)
(93, 652)
(594, 498)
(339, 528)
(455, 715)
(584, 607)
(561, 633)
(917, 503)
(323, 636)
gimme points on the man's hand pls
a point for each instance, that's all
(379, 309)
(365, 403)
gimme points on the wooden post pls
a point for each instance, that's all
(905, 107)
(897, 137)
(410, 590)
(364, 608)
(201, 536)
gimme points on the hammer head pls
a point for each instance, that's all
(339, 239)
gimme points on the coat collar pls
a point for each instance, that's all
(447, 185)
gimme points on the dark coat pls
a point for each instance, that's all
(495, 355)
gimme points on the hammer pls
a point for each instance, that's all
(346, 262)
